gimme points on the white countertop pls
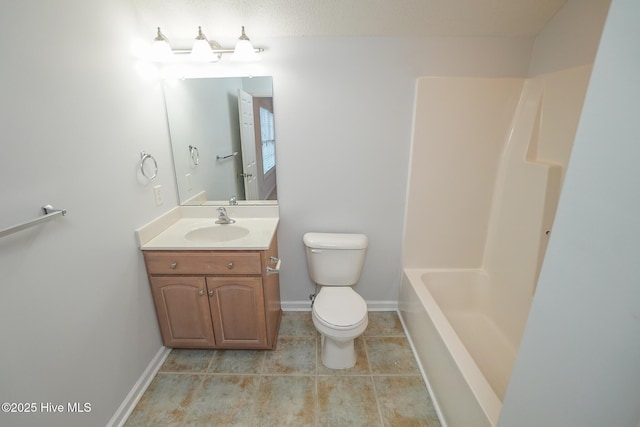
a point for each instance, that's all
(168, 231)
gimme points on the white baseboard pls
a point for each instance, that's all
(296, 305)
(371, 305)
(382, 305)
(130, 402)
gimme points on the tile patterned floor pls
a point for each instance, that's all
(290, 386)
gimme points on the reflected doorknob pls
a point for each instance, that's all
(245, 175)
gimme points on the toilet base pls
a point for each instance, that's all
(338, 354)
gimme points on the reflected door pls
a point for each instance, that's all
(248, 144)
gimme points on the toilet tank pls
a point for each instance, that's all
(335, 259)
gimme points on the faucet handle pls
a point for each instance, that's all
(233, 201)
(223, 218)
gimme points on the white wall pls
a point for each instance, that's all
(77, 320)
(76, 316)
(571, 38)
(343, 119)
(578, 364)
(343, 108)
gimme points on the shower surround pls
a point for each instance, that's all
(487, 164)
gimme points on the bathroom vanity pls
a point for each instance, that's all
(215, 285)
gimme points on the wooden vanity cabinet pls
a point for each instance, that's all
(216, 299)
(183, 311)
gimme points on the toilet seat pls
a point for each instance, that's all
(340, 308)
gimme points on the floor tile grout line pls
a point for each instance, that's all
(316, 401)
(211, 359)
(373, 382)
(295, 374)
(316, 351)
(263, 363)
(378, 404)
(254, 407)
(316, 396)
(196, 392)
(319, 375)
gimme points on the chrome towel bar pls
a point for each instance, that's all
(49, 214)
(235, 153)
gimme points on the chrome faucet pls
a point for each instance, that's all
(233, 201)
(223, 218)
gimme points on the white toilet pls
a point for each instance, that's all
(335, 262)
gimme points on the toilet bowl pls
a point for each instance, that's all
(340, 315)
(335, 262)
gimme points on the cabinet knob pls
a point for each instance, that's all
(201, 292)
(210, 293)
(230, 265)
(173, 265)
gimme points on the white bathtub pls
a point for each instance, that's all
(464, 355)
(492, 208)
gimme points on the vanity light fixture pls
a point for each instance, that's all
(161, 49)
(244, 50)
(203, 50)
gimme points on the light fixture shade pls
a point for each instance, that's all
(201, 50)
(160, 49)
(244, 50)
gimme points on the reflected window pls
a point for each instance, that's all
(268, 138)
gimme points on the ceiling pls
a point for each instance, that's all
(307, 18)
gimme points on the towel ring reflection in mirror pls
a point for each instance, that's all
(148, 165)
(194, 154)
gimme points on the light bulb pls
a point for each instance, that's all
(160, 49)
(201, 50)
(244, 50)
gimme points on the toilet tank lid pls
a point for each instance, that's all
(335, 240)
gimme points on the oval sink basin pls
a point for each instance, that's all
(216, 233)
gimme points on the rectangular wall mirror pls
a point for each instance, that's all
(223, 139)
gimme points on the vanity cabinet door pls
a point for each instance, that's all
(183, 312)
(237, 310)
